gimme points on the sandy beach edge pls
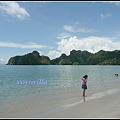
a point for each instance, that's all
(104, 107)
(99, 105)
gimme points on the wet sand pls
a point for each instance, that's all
(105, 107)
(99, 105)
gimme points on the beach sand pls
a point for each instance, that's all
(100, 105)
(105, 107)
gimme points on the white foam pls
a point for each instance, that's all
(94, 96)
(102, 94)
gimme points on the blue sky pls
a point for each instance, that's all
(53, 28)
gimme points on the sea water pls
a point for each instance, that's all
(57, 82)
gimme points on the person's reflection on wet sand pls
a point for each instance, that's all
(84, 99)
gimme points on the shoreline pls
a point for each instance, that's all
(98, 105)
(101, 107)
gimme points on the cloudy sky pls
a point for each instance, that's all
(53, 28)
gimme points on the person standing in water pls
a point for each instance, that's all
(84, 84)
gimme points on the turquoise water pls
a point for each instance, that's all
(57, 78)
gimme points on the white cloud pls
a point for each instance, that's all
(13, 9)
(16, 45)
(117, 3)
(3, 61)
(68, 28)
(54, 54)
(92, 44)
(76, 29)
(63, 35)
(103, 16)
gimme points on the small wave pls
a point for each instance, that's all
(102, 94)
(94, 96)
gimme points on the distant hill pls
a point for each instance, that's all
(76, 57)
(33, 58)
(86, 58)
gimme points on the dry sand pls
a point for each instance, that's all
(100, 105)
(105, 107)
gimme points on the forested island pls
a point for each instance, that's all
(76, 57)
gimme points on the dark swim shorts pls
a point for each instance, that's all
(84, 86)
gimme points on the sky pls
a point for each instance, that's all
(56, 27)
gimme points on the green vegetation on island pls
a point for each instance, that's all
(76, 57)
(33, 58)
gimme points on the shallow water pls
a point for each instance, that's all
(62, 84)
